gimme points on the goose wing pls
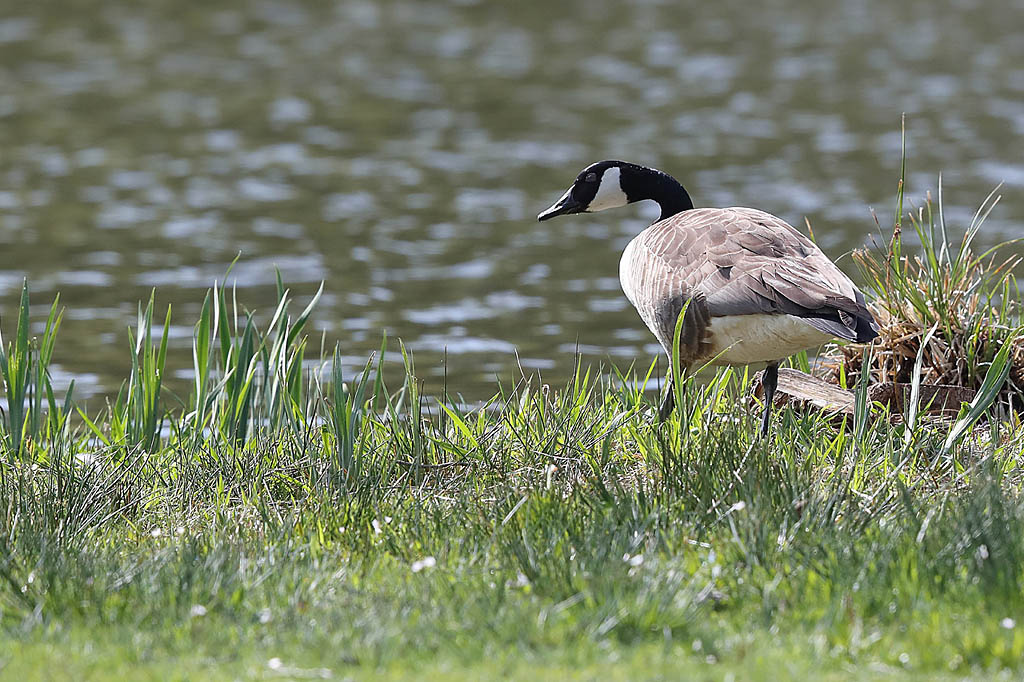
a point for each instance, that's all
(742, 262)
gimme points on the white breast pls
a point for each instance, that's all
(626, 277)
(636, 281)
(645, 287)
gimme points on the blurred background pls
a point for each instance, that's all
(399, 150)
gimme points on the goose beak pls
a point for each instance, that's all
(566, 205)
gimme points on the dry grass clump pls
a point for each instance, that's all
(945, 312)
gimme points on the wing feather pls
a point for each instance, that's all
(742, 262)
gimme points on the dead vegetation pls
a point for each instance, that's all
(947, 316)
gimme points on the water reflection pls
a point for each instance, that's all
(399, 150)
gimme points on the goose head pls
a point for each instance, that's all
(597, 187)
(610, 184)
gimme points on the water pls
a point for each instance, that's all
(400, 150)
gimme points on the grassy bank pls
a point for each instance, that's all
(285, 521)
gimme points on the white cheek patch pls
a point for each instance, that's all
(609, 192)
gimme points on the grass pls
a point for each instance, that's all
(282, 522)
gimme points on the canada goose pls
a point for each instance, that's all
(758, 290)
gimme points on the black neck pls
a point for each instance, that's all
(640, 182)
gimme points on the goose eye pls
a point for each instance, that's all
(591, 177)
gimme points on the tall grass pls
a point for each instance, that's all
(948, 313)
(971, 298)
(24, 366)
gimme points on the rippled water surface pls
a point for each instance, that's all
(399, 151)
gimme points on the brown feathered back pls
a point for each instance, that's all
(737, 261)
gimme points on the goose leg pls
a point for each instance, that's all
(668, 401)
(770, 380)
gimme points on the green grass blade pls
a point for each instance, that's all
(995, 377)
